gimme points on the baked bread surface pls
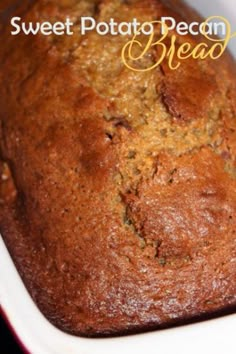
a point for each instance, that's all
(118, 188)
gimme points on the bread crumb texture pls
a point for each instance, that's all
(118, 188)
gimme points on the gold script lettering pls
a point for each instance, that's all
(135, 50)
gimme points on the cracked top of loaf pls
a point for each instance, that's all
(118, 188)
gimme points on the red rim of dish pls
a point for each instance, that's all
(13, 331)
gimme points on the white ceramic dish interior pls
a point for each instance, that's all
(40, 337)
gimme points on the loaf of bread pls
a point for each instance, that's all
(118, 187)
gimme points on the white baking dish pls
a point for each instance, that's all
(39, 337)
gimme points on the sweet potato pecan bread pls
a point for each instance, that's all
(118, 187)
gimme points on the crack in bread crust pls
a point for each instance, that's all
(117, 191)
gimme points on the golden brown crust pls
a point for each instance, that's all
(118, 190)
(200, 86)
